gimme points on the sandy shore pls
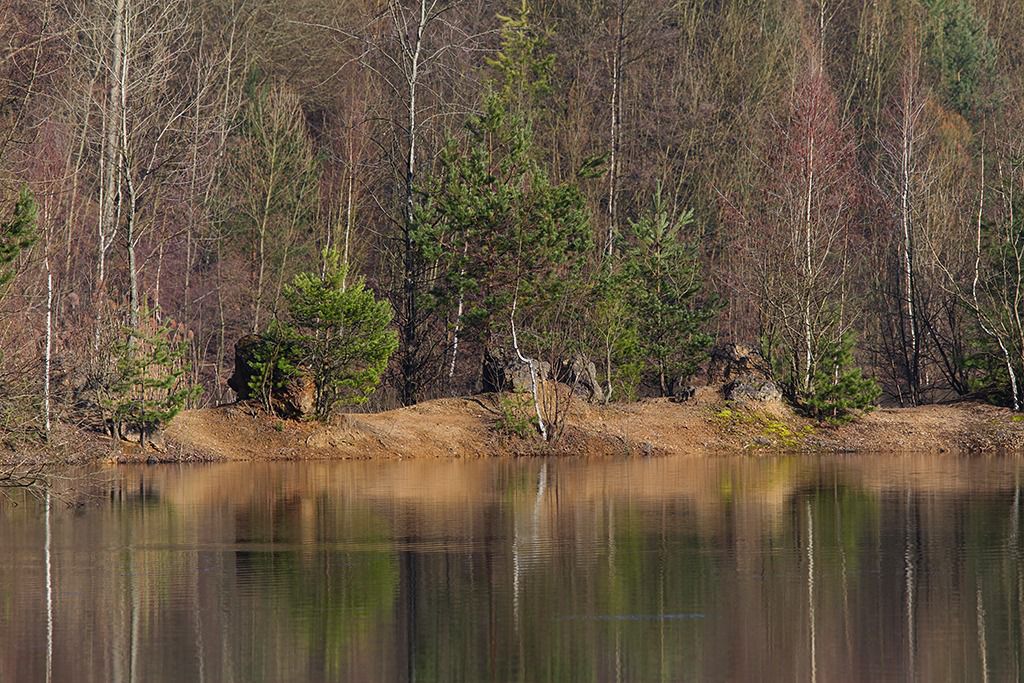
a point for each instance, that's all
(471, 428)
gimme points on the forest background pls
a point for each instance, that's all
(837, 182)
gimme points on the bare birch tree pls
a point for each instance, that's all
(802, 250)
(904, 180)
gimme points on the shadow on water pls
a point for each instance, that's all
(724, 568)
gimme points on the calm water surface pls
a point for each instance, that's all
(728, 568)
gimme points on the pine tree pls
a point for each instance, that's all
(339, 332)
(839, 388)
(17, 235)
(960, 51)
(150, 384)
(663, 284)
(18, 399)
(528, 233)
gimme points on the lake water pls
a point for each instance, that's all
(728, 568)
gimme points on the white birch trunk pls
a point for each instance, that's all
(49, 346)
(531, 363)
(458, 316)
(909, 286)
(110, 160)
(616, 126)
(807, 266)
(982, 321)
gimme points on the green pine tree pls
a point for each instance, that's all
(499, 225)
(960, 51)
(17, 235)
(663, 284)
(150, 383)
(338, 331)
(839, 389)
(521, 70)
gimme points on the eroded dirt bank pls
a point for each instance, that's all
(473, 428)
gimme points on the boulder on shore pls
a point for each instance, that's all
(504, 371)
(759, 390)
(580, 373)
(742, 373)
(295, 398)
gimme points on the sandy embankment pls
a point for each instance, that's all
(467, 428)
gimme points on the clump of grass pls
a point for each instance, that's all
(730, 418)
(783, 434)
(769, 428)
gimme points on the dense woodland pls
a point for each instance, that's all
(839, 183)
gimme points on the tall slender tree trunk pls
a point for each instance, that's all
(110, 161)
(48, 348)
(410, 333)
(986, 326)
(349, 201)
(909, 286)
(614, 160)
(807, 275)
(535, 383)
(134, 303)
(261, 249)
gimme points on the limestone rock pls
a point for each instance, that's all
(682, 392)
(504, 371)
(579, 372)
(742, 373)
(245, 352)
(729, 361)
(751, 388)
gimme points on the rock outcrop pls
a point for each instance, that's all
(504, 371)
(752, 389)
(742, 374)
(682, 391)
(580, 373)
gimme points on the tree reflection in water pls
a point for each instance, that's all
(727, 568)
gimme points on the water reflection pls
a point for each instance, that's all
(731, 568)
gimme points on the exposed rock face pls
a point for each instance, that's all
(580, 373)
(742, 374)
(245, 352)
(503, 371)
(751, 389)
(296, 399)
(729, 361)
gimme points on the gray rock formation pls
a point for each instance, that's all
(504, 371)
(751, 389)
(580, 373)
(742, 374)
(682, 391)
